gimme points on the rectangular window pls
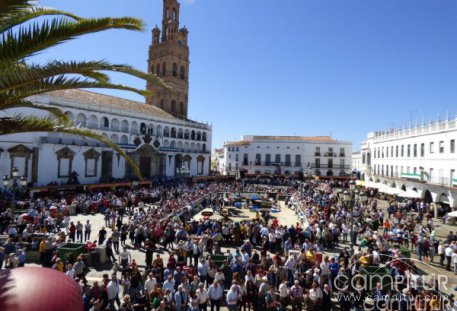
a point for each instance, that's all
(277, 158)
(432, 145)
(317, 163)
(330, 163)
(382, 155)
(230, 166)
(441, 146)
(342, 164)
(245, 159)
(287, 160)
(268, 159)
(342, 152)
(318, 151)
(258, 159)
(387, 152)
(452, 146)
(402, 151)
(64, 167)
(392, 151)
(422, 149)
(236, 157)
(297, 160)
(430, 174)
(396, 151)
(90, 168)
(415, 150)
(408, 151)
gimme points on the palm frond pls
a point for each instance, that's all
(27, 14)
(61, 83)
(8, 7)
(24, 124)
(34, 38)
(21, 75)
(56, 112)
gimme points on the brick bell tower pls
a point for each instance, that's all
(169, 59)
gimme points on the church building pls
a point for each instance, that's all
(158, 135)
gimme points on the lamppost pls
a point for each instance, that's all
(349, 197)
(183, 171)
(14, 178)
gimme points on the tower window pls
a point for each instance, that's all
(175, 70)
(173, 106)
(181, 108)
(174, 14)
(162, 105)
(183, 73)
(158, 69)
(164, 68)
(152, 68)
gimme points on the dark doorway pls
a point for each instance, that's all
(107, 165)
(145, 166)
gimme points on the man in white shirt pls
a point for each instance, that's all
(113, 292)
(150, 284)
(233, 296)
(202, 296)
(448, 251)
(169, 284)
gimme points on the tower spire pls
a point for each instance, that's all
(169, 59)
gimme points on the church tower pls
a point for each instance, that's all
(169, 59)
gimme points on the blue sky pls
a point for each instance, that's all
(295, 67)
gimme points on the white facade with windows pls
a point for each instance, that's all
(157, 142)
(288, 155)
(356, 162)
(421, 158)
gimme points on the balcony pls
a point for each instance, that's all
(330, 154)
(342, 155)
(332, 166)
(124, 129)
(92, 126)
(317, 154)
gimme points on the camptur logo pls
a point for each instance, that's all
(433, 282)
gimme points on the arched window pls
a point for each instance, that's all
(181, 108)
(105, 122)
(158, 69)
(151, 129)
(174, 14)
(192, 135)
(152, 68)
(143, 128)
(204, 136)
(182, 74)
(162, 105)
(168, 14)
(203, 147)
(166, 131)
(173, 106)
(164, 68)
(175, 70)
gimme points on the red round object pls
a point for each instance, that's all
(38, 289)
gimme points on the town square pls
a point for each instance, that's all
(323, 176)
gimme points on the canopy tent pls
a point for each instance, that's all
(391, 190)
(360, 182)
(452, 214)
(410, 193)
(370, 184)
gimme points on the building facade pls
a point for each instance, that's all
(420, 158)
(169, 59)
(288, 155)
(159, 138)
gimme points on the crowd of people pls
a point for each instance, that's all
(248, 264)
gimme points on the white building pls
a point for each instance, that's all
(157, 142)
(357, 164)
(419, 159)
(158, 136)
(218, 160)
(289, 155)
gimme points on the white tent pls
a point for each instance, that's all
(409, 193)
(392, 191)
(370, 184)
(452, 214)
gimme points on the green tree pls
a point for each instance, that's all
(22, 35)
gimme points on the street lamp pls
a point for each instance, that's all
(349, 198)
(14, 178)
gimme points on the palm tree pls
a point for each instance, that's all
(22, 36)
